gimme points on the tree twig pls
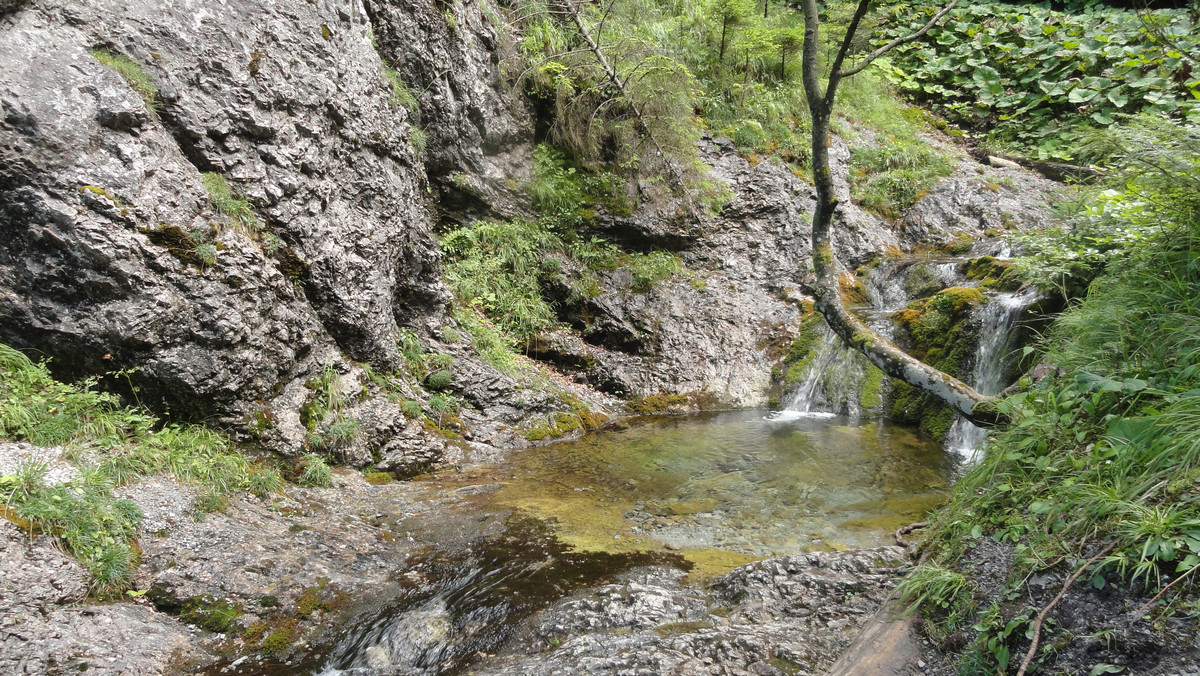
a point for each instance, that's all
(897, 42)
(1037, 623)
(1138, 613)
(905, 530)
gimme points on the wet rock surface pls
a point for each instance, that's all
(791, 615)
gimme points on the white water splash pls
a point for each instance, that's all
(992, 359)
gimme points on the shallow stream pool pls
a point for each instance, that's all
(724, 488)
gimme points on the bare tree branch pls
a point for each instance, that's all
(894, 43)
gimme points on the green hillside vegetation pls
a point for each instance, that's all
(1105, 456)
(1036, 80)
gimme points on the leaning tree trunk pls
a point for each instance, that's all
(881, 352)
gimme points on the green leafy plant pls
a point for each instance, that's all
(1037, 77)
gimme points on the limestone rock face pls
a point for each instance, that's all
(346, 132)
(113, 254)
(479, 135)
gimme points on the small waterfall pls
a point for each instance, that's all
(833, 375)
(992, 359)
(828, 382)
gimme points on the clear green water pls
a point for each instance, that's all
(725, 488)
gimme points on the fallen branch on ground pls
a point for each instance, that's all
(1037, 624)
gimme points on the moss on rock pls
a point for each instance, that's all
(938, 330)
(992, 273)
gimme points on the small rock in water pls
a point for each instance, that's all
(378, 658)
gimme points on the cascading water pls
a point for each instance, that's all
(833, 373)
(992, 358)
(828, 382)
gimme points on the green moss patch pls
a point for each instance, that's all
(939, 332)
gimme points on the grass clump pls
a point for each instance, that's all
(411, 409)
(111, 446)
(313, 471)
(891, 177)
(239, 211)
(399, 93)
(133, 74)
(492, 344)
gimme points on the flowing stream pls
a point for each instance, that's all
(835, 374)
(702, 493)
(992, 358)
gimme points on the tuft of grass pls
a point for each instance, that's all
(439, 380)
(239, 211)
(418, 139)
(491, 343)
(314, 471)
(133, 74)
(399, 93)
(411, 408)
(946, 591)
(112, 446)
(890, 178)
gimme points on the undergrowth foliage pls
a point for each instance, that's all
(517, 273)
(1108, 452)
(111, 446)
(1036, 78)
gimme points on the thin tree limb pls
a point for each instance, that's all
(1037, 623)
(620, 84)
(897, 42)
